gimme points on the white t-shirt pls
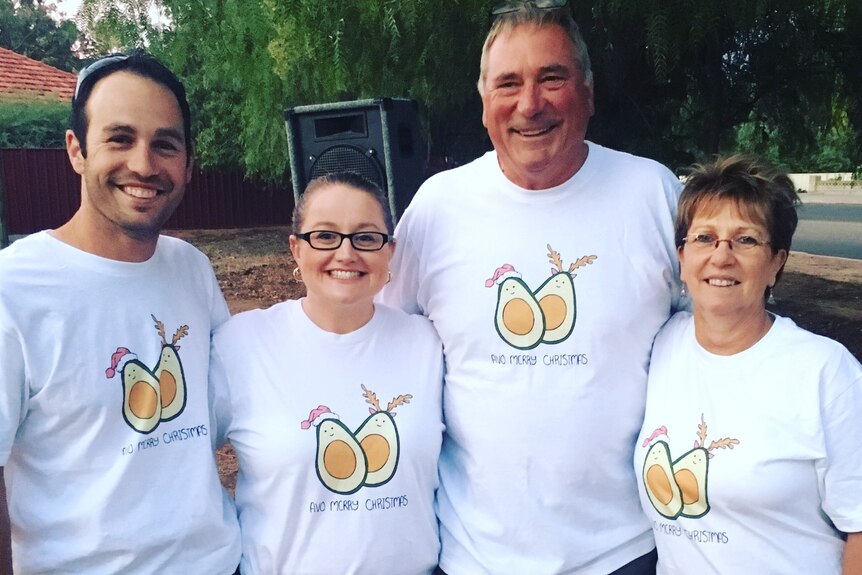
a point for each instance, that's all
(104, 426)
(337, 438)
(753, 460)
(547, 303)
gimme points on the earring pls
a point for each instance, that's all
(390, 277)
(770, 299)
(297, 275)
(683, 292)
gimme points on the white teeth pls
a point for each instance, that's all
(144, 193)
(343, 275)
(534, 132)
(722, 283)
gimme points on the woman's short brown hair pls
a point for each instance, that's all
(759, 191)
(346, 178)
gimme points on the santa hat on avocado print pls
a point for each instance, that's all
(317, 416)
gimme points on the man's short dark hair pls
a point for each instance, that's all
(139, 63)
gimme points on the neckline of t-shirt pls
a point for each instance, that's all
(312, 331)
(741, 355)
(69, 256)
(579, 180)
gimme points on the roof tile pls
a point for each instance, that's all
(23, 77)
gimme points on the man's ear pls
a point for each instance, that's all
(76, 155)
(190, 166)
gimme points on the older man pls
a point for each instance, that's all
(105, 438)
(547, 266)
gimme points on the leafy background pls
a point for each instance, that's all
(675, 80)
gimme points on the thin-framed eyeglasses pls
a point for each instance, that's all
(98, 65)
(515, 5)
(709, 242)
(331, 240)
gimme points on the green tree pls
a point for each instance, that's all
(26, 27)
(33, 124)
(111, 26)
(248, 62)
(674, 79)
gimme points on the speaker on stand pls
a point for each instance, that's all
(377, 138)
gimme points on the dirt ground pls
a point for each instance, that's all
(254, 268)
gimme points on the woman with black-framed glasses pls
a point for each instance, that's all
(308, 391)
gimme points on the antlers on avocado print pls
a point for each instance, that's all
(679, 488)
(526, 318)
(151, 396)
(347, 461)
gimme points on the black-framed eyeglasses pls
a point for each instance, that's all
(98, 65)
(740, 243)
(515, 5)
(330, 240)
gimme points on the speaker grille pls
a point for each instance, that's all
(344, 158)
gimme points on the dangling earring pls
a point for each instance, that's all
(683, 292)
(297, 275)
(390, 277)
(770, 299)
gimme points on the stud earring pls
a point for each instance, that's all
(297, 275)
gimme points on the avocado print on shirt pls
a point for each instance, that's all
(151, 396)
(679, 488)
(526, 318)
(346, 461)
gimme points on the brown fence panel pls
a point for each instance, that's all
(42, 191)
(225, 199)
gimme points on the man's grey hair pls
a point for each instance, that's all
(530, 15)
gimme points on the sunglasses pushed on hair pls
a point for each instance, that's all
(96, 66)
(516, 5)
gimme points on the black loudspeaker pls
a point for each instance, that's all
(377, 138)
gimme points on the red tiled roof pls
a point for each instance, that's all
(23, 77)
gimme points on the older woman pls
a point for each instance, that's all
(333, 404)
(750, 455)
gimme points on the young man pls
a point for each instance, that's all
(105, 439)
(547, 267)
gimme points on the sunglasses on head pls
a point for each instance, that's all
(516, 5)
(96, 66)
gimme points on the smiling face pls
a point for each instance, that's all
(536, 105)
(136, 168)
(726, 283)
(341, 284)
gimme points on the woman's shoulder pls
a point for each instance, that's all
(253, 323)
(676, 326)
(800, 342)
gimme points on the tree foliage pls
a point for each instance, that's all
(677, 77)
(26, 27)
(108, 26)
(33, 124)
(674, 79)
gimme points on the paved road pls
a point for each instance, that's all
(829, 230)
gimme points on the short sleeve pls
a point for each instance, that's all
(14, 394)
(219, 396)
(402, 291)
(841, 472)
(218, 305)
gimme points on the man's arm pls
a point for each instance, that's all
(853, 555)
(6, 532)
